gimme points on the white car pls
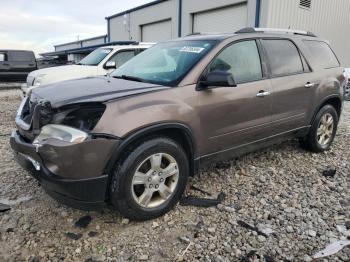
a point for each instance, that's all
(100, 62)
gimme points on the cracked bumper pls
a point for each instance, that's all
(71, 173)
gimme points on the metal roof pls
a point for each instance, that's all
(87, 49)
(135, 9)
(83, 40)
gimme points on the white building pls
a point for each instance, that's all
(165, 19)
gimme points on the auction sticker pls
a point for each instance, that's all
(106, 51)
(192, 49)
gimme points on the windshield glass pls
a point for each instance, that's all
(95, 57)
(165, 63)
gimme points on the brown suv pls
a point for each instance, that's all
(134, 137)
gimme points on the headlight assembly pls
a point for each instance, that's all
(38, 79)
(62, 133)
(83, 117)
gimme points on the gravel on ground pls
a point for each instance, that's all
(280, 192)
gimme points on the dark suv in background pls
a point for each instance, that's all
(15, 65)
(133, 138)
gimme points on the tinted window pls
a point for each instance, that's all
(284, 57)
(122, 57)
(242, 60)
(322, 54)
(2, 57)
(21, 56)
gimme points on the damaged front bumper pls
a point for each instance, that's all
(69, 172)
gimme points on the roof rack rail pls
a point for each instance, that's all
(274, 30)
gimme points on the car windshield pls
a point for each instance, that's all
(166, 63)
(95, 57)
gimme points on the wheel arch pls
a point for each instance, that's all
(333, 100)
(179, 132)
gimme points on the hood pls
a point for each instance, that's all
(60, 73)
(94, 89)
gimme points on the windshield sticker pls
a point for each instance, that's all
(106, 51)
(192, 49)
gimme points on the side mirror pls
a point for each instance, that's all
(111, 65)
(217, 79)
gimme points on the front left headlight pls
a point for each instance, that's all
(62, 133)
(83, 117)
(38, 80)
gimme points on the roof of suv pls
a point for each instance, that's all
(132, 46)
(251, 32)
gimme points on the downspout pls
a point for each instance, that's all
(179, 19)
(108, 31)
(257, 13)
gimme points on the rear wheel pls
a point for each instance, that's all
(150, 180)
(322, 131)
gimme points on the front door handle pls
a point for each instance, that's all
(263, 93)
(309, 85)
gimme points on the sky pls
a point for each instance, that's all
(38, 25)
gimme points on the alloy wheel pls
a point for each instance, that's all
(325, 129)
(155, 180)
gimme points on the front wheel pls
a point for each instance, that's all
(150, 180)
(322, 131)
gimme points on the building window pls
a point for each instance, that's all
(305, 4)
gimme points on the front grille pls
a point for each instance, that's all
(28, 111)
(32, 115)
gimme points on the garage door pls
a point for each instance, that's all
(228, 19)
(156, 32)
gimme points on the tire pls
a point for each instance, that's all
(131, 198)
(313, 141)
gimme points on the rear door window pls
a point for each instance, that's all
(284, 57)
(21, 56)
(122, 57)
(322, 54)
(241, 59)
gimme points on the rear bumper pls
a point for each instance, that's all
(14, 75)
(78, 191)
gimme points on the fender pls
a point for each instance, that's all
(125, 142)
(323, 101)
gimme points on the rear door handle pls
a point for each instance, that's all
(263, 93)
(309, 85)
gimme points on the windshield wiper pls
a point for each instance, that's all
(131, 78)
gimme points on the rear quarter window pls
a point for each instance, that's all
(322, 55)
(21, 56)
